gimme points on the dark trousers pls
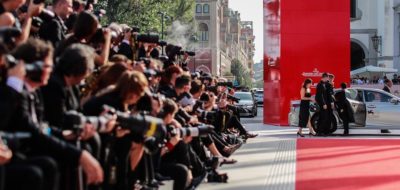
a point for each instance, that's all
(324, 122)
(235, 123)
(32, 173)
(178, 172)
(345, 121)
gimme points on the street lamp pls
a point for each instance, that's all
(194, 39)
(377, 43)
(163, 17)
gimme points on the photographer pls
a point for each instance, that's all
(175, 158)
(21, 111)
(129, 89)
(55, 30)
(85, 28)
(8, 18)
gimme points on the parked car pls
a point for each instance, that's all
(259, 95)
(247, 104)
(372, 108)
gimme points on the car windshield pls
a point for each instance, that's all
(243, 96)
(259, 93)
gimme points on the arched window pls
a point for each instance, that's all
(206, 8)
(198, 8)
(203, 28)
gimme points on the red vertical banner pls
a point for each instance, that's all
(302, 39)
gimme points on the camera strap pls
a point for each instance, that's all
(152, 130)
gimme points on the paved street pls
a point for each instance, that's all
(269, 161)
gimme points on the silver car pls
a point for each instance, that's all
(259, 96)
(247, 104)
(372, 108)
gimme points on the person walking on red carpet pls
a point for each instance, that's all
(325, 101)
(304, 116)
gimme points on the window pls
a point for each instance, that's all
(353, 9)
(354, 94)
(206, 8)
(198, 8)
(203, 29)
(371, 96)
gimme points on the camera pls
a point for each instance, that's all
(135, 29)
(8, 35)
(77, 121)
(148, 38)
(33, 70)
(190, 53)
(14, 140)
(233, 98)
(139, 124)
(228, 84)
(198, 131)
(206, 116)
(146, 61)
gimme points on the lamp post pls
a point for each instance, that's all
(377, 43)
(163, 17)
(194, 39)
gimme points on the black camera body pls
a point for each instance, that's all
(233, 98)
(206, 116)
(188, 131)
(76, 121)
(148, 38)
(33, 70)
(8, 35)
(227, 84)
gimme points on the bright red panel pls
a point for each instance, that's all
(302, 38)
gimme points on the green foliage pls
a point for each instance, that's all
(241, 74)
(144, 13)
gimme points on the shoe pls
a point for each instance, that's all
(299, 134)
(227, 161)
(385, 131)
(312, 134)
(251, 135)
(228, 151)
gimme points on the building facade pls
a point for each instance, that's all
(375, 32)
(222, 37)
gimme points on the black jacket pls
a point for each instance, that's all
(58, 99)
(53, 30)
(16, 116)
(322, 95)
(125, 49)
(343, 105)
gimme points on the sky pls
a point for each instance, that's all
(252, 10)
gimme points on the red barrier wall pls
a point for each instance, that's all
(302, 39)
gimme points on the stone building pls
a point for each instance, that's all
(222, 37)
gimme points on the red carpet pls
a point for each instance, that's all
(348, 164)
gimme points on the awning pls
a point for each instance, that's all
(372, 70)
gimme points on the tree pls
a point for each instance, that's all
(144, 13)
(241, 73)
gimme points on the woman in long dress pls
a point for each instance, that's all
(304, 116)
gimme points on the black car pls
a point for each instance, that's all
(247, 104)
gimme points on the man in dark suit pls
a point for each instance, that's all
(55, 30)
(22, 103)
(344, 109)
(388, 85)
(324, 100)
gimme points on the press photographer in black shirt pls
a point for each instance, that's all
(22, 111)
(55, 30)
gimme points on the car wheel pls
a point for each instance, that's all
(255, 112)
(314, 123)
